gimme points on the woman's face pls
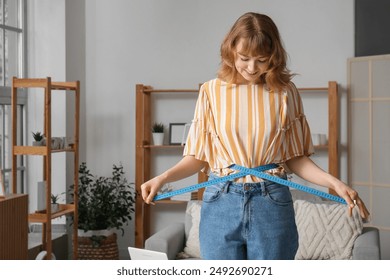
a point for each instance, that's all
(249, 68)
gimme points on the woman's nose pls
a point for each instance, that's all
(251, 66)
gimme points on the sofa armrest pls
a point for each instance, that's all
(169, 240)
(367, 245)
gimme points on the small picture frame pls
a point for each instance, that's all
(176, 133)
(2, 188)
(186, 130)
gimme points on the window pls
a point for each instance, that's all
(12, 63)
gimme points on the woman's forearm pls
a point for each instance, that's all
(186, 167)
(308, 170)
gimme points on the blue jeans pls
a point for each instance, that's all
(242, 221)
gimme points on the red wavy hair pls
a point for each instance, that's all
(260, 38)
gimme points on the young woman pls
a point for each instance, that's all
(251, 115)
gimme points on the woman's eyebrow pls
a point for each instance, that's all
(257, 57)
(242, 54)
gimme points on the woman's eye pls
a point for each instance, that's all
(244, 59)
(262, 61)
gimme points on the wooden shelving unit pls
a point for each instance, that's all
(144, 148)
(143, 154)
(333, 145)
(46, 152)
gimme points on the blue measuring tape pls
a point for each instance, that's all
(258, 172)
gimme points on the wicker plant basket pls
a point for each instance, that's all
(98, 247)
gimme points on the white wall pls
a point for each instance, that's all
(175, 44)
(46, 58)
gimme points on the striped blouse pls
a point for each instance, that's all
(248, 125)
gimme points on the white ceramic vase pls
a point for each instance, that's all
(158, 139)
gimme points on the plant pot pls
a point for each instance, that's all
(158, 139)
(55, 207)
(97, 245)
(37, 143)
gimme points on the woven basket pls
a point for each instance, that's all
(106, 248)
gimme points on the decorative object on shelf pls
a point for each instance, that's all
(41, 196)
(55, 206)
(57, 143)
(68, 142)
(176, 133)
(38, 138)
(315, 138)
(158, 133)
(323, 139)
(186, 130)
(319, 139)
(104, 203)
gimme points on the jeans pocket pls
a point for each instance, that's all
(279, 195)
(213, 193)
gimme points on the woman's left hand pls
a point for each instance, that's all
(352, 198)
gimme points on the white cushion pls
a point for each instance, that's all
(192, 248)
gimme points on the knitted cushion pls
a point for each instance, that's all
(325, 230)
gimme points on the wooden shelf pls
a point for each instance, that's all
(41, 217)
(47, 86)
(37, 150)
(321, 147)
(308, 89)
(151, 90)
(43, 83)
(64, 85)
(162, 147)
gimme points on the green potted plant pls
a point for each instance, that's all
(158, 133)
(55, 205)
(105, 204)
(38, 138)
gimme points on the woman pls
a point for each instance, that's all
(251, 115)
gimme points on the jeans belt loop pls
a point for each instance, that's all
(226, 187)
(263, 189)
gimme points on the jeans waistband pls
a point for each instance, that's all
(246, 187)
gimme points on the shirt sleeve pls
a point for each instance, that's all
(202, 139)
(199, 135)
(297, 136)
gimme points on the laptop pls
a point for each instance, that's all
(143, 254)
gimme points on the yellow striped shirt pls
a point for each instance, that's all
(248, 125)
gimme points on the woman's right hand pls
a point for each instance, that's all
(150, 188)
(188, 166)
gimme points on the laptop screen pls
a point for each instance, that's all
(143, 254)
